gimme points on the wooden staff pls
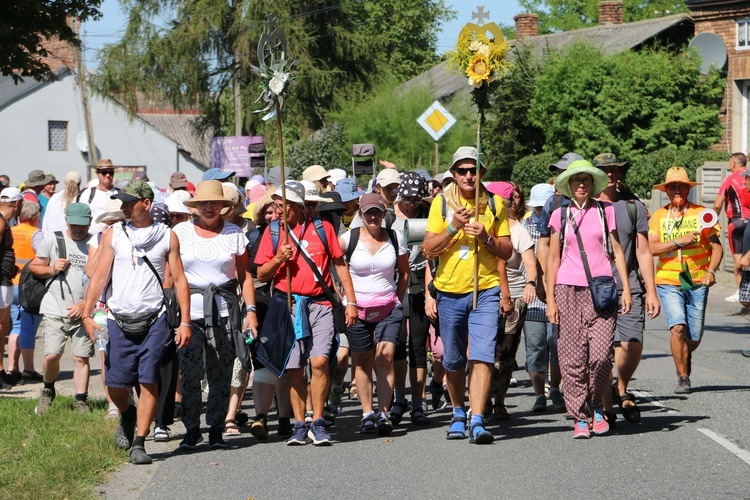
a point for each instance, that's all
(476, 213)
(283, 200)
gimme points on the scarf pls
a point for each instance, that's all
(143, 238)
(452, 197)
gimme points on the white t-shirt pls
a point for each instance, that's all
(373, 276)
(97, 206)
(209, 261)
(135, 289)
(74, 281)
(521, 241)
(54, 215)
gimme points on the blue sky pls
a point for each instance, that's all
(111, 26)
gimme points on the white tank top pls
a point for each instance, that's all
(135, 289)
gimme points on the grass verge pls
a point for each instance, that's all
(62, 454)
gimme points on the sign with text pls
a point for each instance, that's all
(230, 154)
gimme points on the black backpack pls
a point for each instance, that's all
(31, 289)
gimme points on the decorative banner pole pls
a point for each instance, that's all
(483, 59)
(274, 70)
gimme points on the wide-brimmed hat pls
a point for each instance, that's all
(465, 153)
(539, 195)
(610, 160)
(601, 180)
(208, 191)
(348, 189)
(38, 178)
(503, 189)
(312, 193)
(112, 212)
(332, 203)
(232, 192)
(104, 164)
(258, 213)
(295, 192)
(565, 162)
(676, 175)
(314, 173)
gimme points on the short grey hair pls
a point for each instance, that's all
(30, 211)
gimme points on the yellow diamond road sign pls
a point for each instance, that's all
(436, 120)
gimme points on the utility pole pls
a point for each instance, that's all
(81, 68)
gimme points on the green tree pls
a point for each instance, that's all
(566, 15)
(628, 103)
(192, 60)
(26, 24)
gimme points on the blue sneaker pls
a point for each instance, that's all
(318, 433)
(385, 426)
(299, 435)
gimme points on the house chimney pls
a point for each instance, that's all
(61, 53)
(526, 25)
(611, 13)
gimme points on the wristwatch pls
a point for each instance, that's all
(532, 283)
(489, 240)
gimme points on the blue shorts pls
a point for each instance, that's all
(460, 327)
(26, 325)
(686, 307)
(541, 345)
(130, 362)
(363, 335)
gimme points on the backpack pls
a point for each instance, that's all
(354, 238)
(493, 207)
(602, 220)
(31, 289)
(275, 228)
(92, 192)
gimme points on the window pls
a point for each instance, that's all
(58, 135)
(742, 33)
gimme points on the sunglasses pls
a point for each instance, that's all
(415, 199)
(464, 170)
(107, 172)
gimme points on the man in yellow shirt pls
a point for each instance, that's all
(452, 234)
(688, 258)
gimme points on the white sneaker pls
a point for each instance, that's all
(735, 297)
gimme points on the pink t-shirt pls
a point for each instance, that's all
(571, 270)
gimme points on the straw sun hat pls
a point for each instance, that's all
(208, 191)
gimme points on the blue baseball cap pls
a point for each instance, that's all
(348, 189)
(215, 174)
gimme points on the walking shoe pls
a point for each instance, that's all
(600, 425)
(81, 406)
(4, 386)
(215, 438)
(14, 377)
(385, 426)
(735, 297)
(259, 428)
(558, 402)
(45, 400)
(125, 433)
(369, 424)
(32, 376)
(138, 456)
(438, 396)
(683, 386)
(285, 427)
(318, 433)
(419, 416)
(161, 434)
(178, 410)
(513, 382)
(540, 403)
(7, 378)
(581, 430)
(299, 435)
(192, 439)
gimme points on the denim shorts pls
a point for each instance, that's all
(460, 327)
(541, 345)
(686, 307)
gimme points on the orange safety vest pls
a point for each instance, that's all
(22, 234)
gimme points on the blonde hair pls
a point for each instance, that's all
(70, 193)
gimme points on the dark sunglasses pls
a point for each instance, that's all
(463, 171)
(107, 172)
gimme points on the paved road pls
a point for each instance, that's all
(685, 446)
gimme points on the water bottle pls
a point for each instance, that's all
(101, 337)
(248, 334)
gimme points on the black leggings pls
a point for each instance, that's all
(419, 334)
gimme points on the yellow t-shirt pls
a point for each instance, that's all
(455, 272)
(697, 256)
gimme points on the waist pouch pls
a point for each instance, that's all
(135, 326)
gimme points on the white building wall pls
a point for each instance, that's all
(126, 141)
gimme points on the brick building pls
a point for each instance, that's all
(730, 20)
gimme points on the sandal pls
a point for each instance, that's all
(353, 394)
(231, 426)
(419, 418)
(259, 428)
(501, 413)
(457, 430)
(630, 413)
(478, 434)
(397, 412)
